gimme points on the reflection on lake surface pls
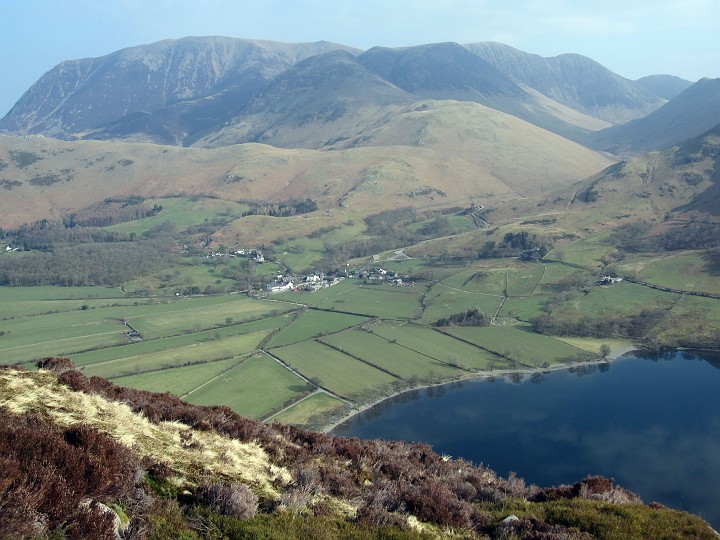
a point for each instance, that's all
(650, 422)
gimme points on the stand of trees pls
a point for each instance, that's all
(110, 264)
(634, 326)
(516, 243)
(283, 209)
(470, 317)
(638, 237)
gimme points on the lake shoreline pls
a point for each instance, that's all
(614, 355)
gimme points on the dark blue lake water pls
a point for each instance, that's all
(650, 422)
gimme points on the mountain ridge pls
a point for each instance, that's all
(181, 92)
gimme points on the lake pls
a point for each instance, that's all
(651, 422)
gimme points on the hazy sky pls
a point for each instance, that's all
(633, 38)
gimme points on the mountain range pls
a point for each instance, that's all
(216, 91)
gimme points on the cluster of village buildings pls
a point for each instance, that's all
(254, 255)
(315, 282)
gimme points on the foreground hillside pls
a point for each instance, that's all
(124, 462)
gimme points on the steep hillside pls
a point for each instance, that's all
(80, 95)
(121, 462)
(681, 183)
(224, 91)
(691, 113)
(314, 104)
(44, 178)
(573, 80)
(449, 71)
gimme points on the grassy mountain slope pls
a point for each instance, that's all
(190, 472)
(45, 178)
(678, 184)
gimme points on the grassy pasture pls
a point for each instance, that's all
(524, 308)
(206, 351)
(443, 301)
(587, 252)
(593, 345)
(683, 271)
(300, 254)
(440, 346)
(335, 371)
(519, 343)
(256, 387)
(478, 279)
(13, 309)
(178, 380)
(392, 357)
(27, 294)
(135, 350)
(183, 213)
(555, 273)
(623, 297)
(198, 272)
(310, 410)
(313, 323)
(384, 301)
(524, 280)
(30, 338)
(194, 314)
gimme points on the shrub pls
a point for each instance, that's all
(230, 499)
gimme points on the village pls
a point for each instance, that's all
(315, 281)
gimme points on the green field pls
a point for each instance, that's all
(34, 337)
(524, 308)
(311, 411)
(338, 372)
(524, 280)
(392, 357)
(683, 271)
(183, 213)
(256, 387)
(28, 294)
(443, 301)
(204, 352)
(179, 380)
(195, 314)
(313, 323)
(520, 344)
(479, 279)
(129, 350)
(623, 297)
(440, 346)
(386, 301)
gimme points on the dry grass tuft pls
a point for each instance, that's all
(189, 453)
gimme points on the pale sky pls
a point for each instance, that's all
(633, 38)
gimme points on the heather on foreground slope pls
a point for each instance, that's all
(83, 458)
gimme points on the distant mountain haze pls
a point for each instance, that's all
(215, 91)
(573, 80)
(692, 112)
